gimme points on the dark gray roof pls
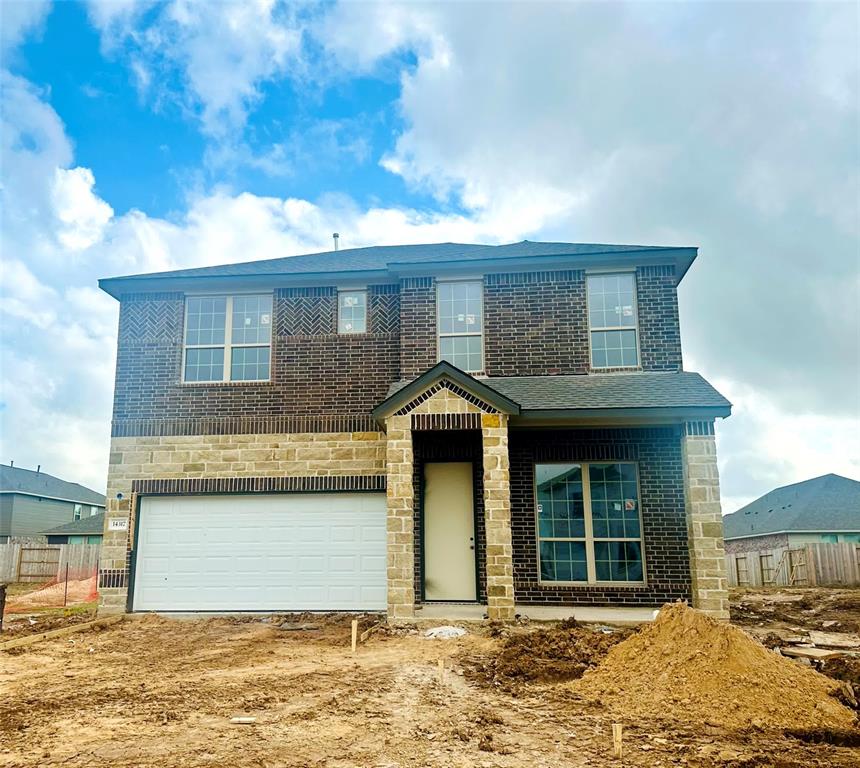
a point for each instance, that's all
(606, 391)
(827, 503)
(86, 526)
(19, 480)
(380, 256)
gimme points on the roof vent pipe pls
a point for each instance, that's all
(335, 235)
(12, 463)
(38, 468)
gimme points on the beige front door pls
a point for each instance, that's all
(449, 531)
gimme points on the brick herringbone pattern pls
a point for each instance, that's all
(145, 320)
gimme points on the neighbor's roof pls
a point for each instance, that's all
(32, 483)
(377, 260)
(606, 393)
(86, 526)
(827, 503)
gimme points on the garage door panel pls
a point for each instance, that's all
(279, 552)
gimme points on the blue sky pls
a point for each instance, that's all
(141, 136)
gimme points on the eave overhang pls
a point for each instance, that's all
(682, 258)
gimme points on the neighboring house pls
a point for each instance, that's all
(87, 530)
(379, 428)
(823, 510)
(31, 501)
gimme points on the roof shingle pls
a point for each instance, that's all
(684, 389)
(827, 503)
(19, 480)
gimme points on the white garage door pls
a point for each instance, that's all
(261, 553)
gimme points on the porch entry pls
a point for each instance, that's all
(449, 532)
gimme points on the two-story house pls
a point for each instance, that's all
(382, 428)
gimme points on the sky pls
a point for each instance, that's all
(143, 136)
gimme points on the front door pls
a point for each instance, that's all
(449, 531)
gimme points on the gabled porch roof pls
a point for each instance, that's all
(403, 392)
(640, 397)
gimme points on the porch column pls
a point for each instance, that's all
(497, 515)
(399, 491)
(704, 520)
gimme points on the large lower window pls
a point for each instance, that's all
(589, 526)
(227, 338)
(459, 314)
(612, 321)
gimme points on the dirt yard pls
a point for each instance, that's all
(157, 692)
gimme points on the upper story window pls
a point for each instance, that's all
(227, 338)
(612, 320)
(77, 511)
(460, 322)
(352, 312)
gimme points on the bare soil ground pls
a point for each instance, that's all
(158, 692)
(796, 609)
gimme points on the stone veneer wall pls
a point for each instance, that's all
(400, 527)
(213, 457)
(705, 520)
(497, 513)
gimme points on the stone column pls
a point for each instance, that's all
(704, 520)
(113, 557)
(400, 494)
(497, 514)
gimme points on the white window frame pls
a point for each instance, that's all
(634, 327)
(341, 291)
(589, 538)
(440, 335)
(93, 510)
(77, 512)
(228, 344)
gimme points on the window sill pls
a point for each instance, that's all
(595, 584)
(262, 382)
(618, 369)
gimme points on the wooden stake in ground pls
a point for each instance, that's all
(441, 671)
(616, 739)
(354, 634)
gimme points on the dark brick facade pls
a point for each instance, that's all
(417, 325)
(659, 328)
(449, 446)
(535, 324)
(657, 452)
(315, 371)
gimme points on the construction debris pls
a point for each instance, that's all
(444, 633)
(687, 666)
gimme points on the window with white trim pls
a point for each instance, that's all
(352, 312)
(77, 511)
(459, 319)
(227, 338)
(612, 320)
(93, 511)
(589, 525)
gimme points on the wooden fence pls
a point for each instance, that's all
(830, 565)
(22, 562)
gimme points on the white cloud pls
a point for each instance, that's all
(763, 446)
(20, 19)
(83, 215)
(223, 51)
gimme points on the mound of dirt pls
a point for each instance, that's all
(687, 666)
(560, 653)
